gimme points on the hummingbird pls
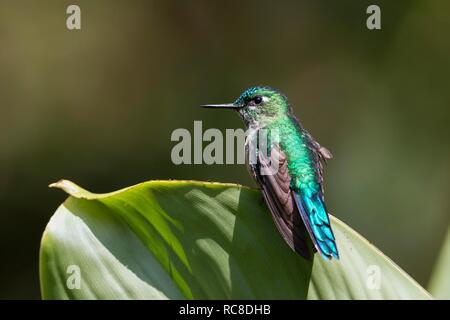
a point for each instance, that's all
(294, 192)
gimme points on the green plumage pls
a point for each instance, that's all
(300, 163)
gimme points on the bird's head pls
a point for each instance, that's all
(258, 105)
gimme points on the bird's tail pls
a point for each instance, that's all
(315, 217)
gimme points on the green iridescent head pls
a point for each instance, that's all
(258, 104)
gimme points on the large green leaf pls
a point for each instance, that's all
(186, 239)
(440, 279)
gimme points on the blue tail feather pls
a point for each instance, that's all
(317, 222)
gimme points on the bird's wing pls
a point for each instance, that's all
(280, 199)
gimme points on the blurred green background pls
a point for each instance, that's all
(98, 106)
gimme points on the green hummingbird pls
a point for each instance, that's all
(294, 191)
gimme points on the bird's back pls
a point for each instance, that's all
(303, 156)
(302, 166)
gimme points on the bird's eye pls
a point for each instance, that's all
(257, 100)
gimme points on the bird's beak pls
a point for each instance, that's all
(221, 106)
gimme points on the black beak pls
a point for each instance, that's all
(221, 106)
